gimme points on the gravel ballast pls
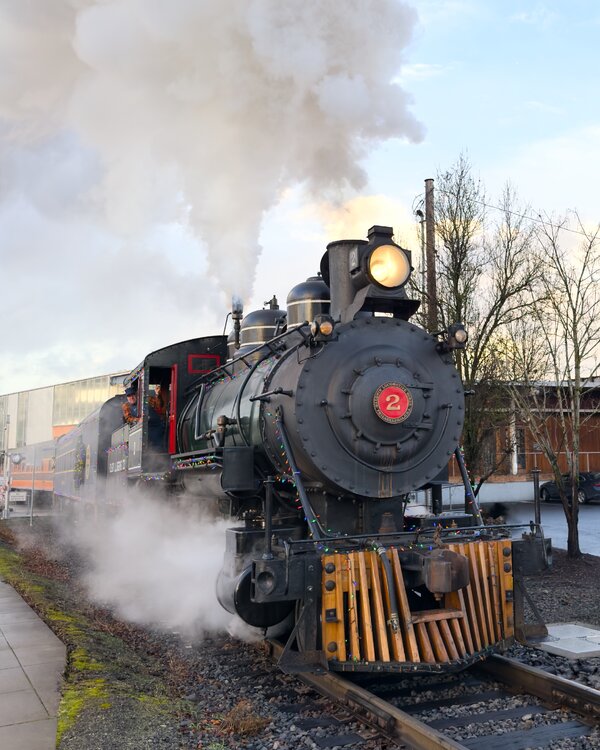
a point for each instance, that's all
(147, 689)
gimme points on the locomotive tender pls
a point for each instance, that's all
(311, 428)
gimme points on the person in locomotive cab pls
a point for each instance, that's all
(157, 414)
(130, 407)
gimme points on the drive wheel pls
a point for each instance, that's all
(544, 495)
(581, 496)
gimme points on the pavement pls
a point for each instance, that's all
(555, 525)
(32, 661)
(32, 658)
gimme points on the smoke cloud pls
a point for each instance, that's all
(142, 144)
(137, 112)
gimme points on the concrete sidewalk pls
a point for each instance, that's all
(32, 660)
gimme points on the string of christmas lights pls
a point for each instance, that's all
(155, 477)
(195, 462)
(120, 447)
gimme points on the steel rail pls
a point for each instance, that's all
(376, 712)
(552, 689)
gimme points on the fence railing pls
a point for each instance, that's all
(526, 461)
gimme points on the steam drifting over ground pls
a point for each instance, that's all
(154, 564)
(119, 118)
(157, 564)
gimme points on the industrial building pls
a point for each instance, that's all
(41, 414)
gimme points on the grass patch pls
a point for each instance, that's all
(74, 700)
(242, 720)
(108, 662)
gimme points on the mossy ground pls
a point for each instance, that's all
(110, 666)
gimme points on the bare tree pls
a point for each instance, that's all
(484, 273)
(553, 355)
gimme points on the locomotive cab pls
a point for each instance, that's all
(140, 453)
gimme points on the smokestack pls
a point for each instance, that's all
(237, 313)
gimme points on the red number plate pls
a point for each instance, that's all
(392, 402)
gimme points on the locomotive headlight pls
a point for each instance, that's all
(388, 266)
(456, 338)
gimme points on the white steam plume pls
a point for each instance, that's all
(156, 564)
(195, 112)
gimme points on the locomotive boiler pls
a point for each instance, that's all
(314, 434)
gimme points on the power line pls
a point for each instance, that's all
(538, 220)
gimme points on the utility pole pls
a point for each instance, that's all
(7, 481)
(421, 217)
(432, 317)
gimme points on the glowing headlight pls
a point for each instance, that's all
(456, 338)
(389, 266)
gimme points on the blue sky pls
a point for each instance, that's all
(515, 87)
(500, 81)
(91, 158)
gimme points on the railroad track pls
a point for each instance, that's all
(511, 704)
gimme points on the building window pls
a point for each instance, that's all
(73, 402)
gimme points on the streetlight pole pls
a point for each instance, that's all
(6, 465)
(32, 489)
(6, 483)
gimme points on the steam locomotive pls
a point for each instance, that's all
(311, 428)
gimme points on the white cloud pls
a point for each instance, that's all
(544, 107)
(438, 12)
(538, 15)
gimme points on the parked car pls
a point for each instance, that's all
(589, 488)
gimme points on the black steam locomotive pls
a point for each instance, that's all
(311, 428)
